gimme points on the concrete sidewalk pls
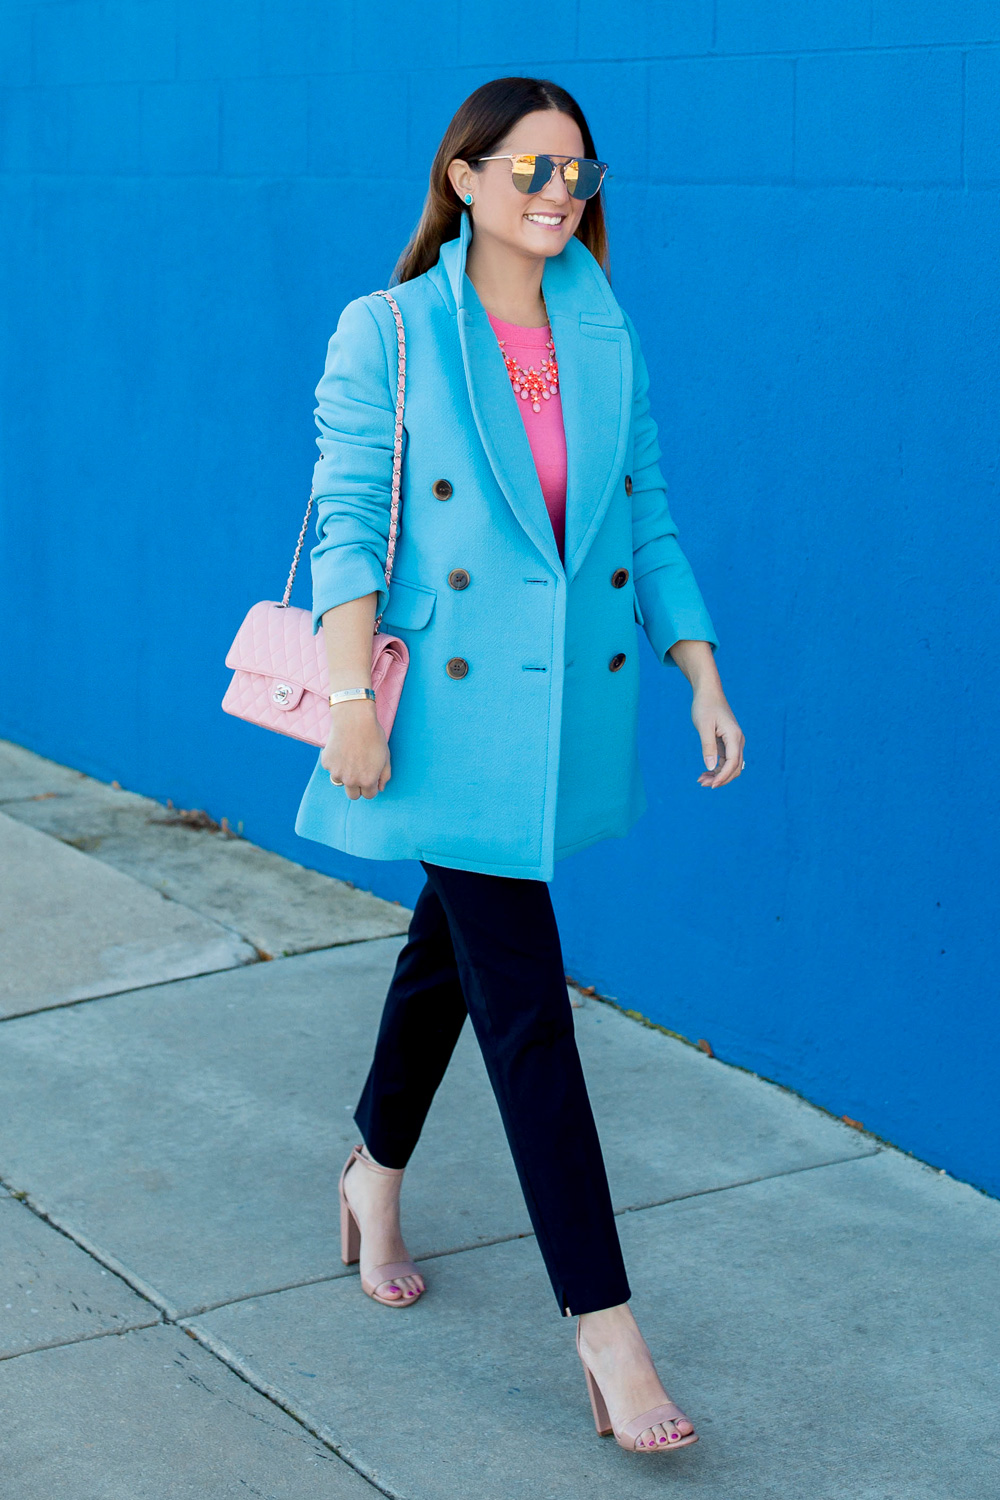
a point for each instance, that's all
(176, 1319)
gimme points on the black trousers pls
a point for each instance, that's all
(488, 946)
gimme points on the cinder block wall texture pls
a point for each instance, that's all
(805, 223)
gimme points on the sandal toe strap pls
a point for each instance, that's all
(391, 1270)
(668, 1412)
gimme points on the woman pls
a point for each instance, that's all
(535, 533)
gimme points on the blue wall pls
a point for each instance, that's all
(805, 227)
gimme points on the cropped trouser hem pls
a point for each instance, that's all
(487, 946)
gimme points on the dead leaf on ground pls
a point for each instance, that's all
(189, 817)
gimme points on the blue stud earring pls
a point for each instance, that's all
(467, 198)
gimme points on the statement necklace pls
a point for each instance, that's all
(530, 384)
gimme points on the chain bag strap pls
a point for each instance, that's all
(280, 676)
(397, 464)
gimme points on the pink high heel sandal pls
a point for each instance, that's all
(627, 1437)
(350, 1240)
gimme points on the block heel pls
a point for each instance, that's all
(350, 1230)
(597, 1403)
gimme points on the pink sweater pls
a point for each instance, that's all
(545, 427)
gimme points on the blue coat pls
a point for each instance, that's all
(531, 754)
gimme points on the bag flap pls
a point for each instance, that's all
(279, 643)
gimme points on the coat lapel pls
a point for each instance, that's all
(595, 381)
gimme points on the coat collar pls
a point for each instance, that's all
(595, 382)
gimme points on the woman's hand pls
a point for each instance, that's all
(711, 715)
(720, 736)
(356, 753)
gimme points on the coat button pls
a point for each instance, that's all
(617, 662)
(458, 578)
(619, 578)
(441, 489)
(628, 484)
(457, 667)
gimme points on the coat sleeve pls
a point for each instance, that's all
(669, 598)
(352, 480)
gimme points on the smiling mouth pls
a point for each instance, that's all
(548, 221)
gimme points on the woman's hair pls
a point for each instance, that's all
(477, 129)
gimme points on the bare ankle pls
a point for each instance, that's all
(609, 1327)
(607, 1317)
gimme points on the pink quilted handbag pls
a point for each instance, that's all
(280, 676)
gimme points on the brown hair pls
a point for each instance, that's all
(477, 128)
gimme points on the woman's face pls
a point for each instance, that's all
(536, 224)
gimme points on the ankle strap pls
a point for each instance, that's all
(373, 1166)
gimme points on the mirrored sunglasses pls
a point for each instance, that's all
(531, 172)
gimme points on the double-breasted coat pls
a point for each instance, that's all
(515, 739)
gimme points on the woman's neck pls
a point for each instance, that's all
(507, 284)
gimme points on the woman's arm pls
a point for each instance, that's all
(669, 598)
(352, 480)
(710, 713)
(675, 619)
(356, 752)
(352, 487)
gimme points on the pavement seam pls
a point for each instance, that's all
(725, 1187)
(41, 1010)
(261, 954)
(160, 984)
(83, 1338)
(525, 1234)
(103, 1257)
(172, 1317)
(147, 884)
(239, 1367)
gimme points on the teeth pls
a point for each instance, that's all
(544, 218)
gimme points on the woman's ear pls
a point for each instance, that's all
(461, 177)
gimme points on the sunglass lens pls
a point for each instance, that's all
(531, 173)
(583, 178)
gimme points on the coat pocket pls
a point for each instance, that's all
(410, 605)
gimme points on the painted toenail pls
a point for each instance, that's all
(674, 1436)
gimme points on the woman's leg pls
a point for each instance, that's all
(506, 944)
(421, 1021)
(509, 958)
(423, 1015)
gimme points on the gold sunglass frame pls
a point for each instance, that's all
(559, 164)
